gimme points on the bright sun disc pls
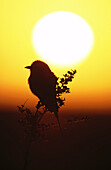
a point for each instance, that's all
(62, 38)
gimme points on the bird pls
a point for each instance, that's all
(42, 83)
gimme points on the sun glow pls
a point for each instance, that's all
(62, 38)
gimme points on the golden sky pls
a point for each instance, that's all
(91, 87)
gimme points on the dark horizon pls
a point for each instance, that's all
(85, 145)
(5, 108)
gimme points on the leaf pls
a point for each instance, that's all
(65, 75)
(69, 79)
(66, 81)
(69, 72)
(62, 80)
(74, 72)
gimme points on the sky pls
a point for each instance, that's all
(91, 87)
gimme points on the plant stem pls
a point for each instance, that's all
(28, 145)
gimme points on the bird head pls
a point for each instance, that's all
(34, 66)
(37, 66)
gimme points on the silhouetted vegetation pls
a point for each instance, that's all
(31, 121)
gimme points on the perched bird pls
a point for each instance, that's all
(42, 83)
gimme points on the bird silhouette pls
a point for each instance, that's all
(42, 83)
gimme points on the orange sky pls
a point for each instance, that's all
(91, 87)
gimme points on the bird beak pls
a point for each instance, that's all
(28, 67)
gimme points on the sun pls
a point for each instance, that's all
(62, 38)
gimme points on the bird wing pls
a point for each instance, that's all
(48, 96)
(44, 87)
